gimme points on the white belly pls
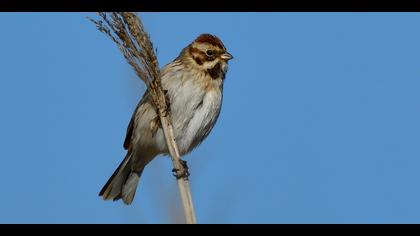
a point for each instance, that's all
(202, 119)
(194, 111)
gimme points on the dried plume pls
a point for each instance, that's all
(127, 31)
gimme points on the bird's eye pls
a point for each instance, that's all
(209, 53)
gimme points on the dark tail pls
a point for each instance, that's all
(122, 184)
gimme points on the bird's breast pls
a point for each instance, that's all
(195, 107)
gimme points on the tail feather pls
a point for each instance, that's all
(130, 187)
(122, 184)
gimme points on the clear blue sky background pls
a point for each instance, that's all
(320, 120)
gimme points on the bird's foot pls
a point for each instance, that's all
(184, 173)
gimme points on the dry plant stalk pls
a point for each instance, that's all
(127, 31)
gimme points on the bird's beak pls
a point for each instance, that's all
(226, 56)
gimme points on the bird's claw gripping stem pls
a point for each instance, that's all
(181, 173)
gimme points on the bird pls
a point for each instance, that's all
(193, 83)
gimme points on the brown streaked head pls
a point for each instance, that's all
(208, 53)
(210, 39)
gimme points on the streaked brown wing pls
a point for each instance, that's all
(129, 133)
(131, 125)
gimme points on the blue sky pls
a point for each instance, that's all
(320, 120)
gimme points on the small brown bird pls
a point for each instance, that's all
(194, 84)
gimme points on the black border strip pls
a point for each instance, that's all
(210, 5)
